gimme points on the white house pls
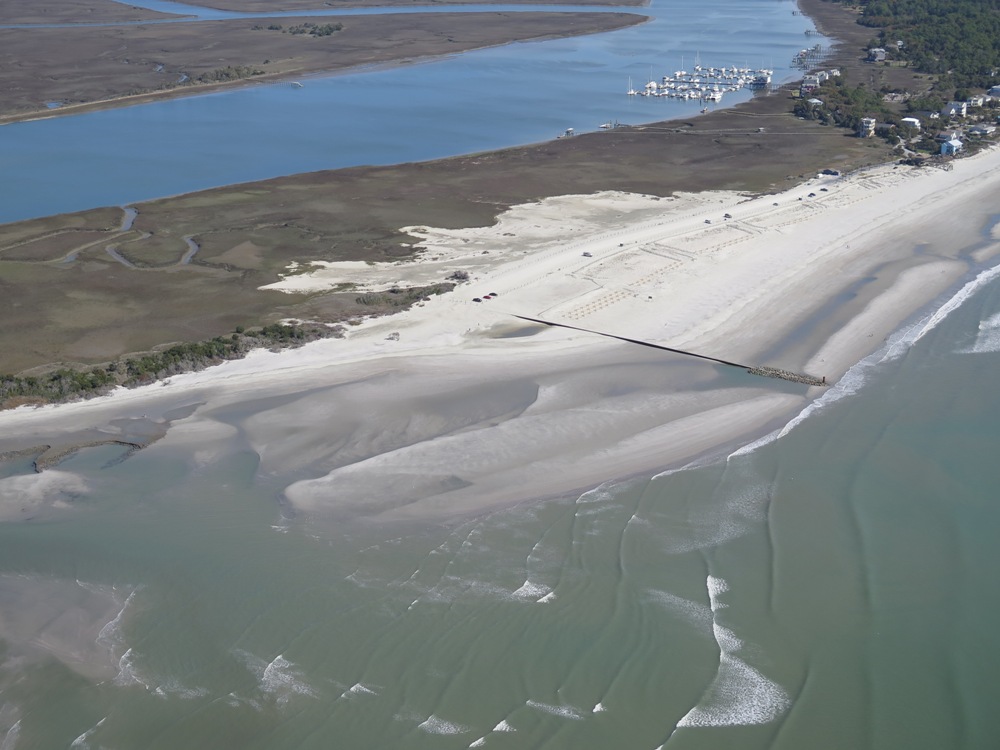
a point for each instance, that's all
(815, 102)
(955, 109)
(952, 147)
(911, 122)
(876, 54)
(867, 127)
(978, 100)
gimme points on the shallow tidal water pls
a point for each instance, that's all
(832, 588)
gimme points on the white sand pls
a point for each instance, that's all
(452, 417)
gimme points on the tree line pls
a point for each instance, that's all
(958, 40)
(65, 384)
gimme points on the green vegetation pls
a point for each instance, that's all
(396, 297)
(958, 40)
(66, 384)
(229, 73)
(843, 105)
(312, 29)
(315, 30)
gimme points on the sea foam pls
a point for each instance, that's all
(81, 741)
(739, 695)
(988, 337)
(436, 725)
(898, 344)
(566, 712)
(10, 739)
(279, 678)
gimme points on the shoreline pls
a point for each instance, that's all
(529, 413)
(394, 57)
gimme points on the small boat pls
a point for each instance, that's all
(296, 85)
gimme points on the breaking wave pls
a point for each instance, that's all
(987, 338)
(739, 695)
(897, 345)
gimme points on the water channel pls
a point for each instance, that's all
(493, 98)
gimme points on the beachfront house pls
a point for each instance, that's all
(952, 147)
(911, 122)
(947, 135)
(955, 109)
(866, 128)
(976, 100)
(876, 54)
(982, 129)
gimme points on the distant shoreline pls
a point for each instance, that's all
(389, 40)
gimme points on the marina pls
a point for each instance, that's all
(536, 91)
(705, 83)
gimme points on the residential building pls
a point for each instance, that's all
(955, 109)
(952, 147)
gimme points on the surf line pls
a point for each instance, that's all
(762, 370)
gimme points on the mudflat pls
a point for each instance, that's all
(83, 304)
(73, 11)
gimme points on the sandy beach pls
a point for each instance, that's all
(456, 406)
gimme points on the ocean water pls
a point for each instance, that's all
(830, 587)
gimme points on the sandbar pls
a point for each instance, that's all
(457, 407)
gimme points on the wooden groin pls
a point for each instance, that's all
(762, 370)
(795, 377)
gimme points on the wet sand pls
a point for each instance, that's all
(440, 411)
